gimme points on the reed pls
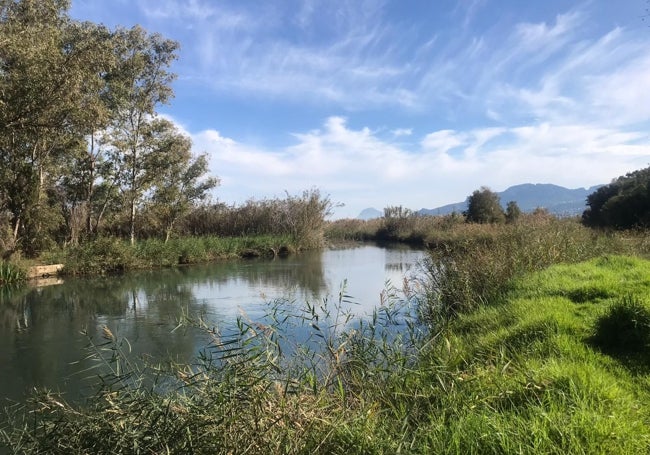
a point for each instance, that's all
(11, 274)
(110, 254)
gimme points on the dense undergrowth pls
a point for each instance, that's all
(525, 338)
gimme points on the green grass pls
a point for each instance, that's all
(538, 370)
(530, 377)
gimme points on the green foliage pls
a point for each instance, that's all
(181, 186)
(484, 206)
(624, 327)
(10, 274)
(81, 147)
(513, 212)
(623, 204)
(111, 254)
(50, 85)
(474, 265)
(396, 223)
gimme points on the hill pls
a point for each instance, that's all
(370, 213)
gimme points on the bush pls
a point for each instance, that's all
(484, 206)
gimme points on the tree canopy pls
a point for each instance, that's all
(82, 148)
(623, 204)
(484, 206)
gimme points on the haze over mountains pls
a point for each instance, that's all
(529, 196)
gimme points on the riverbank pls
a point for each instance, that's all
(110, 255)
(557, 364)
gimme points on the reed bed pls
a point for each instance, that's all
(110, 254)
(503, 344)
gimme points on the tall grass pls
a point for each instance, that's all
(524, 376)
(473, 264)
(301, 217)
(110, 254)
(494, 350)
(11, 274)
(256, 388)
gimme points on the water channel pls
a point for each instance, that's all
(41, 340)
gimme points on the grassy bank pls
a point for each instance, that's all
(558, 364)
(113, 255)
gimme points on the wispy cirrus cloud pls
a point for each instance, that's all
(464, 96)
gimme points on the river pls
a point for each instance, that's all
(42, 340)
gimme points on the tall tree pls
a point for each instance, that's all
(484, 206)
(50, 74)
(182, 180)
(141, 83)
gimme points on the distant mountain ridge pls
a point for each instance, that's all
(529, 196)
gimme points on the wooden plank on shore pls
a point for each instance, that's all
(40, 271)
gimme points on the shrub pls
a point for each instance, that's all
(474, 264)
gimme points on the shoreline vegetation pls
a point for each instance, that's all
(525, 333)
(516, 338)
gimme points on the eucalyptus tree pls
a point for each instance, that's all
(182, 181)
(51, 73)
(140, 83)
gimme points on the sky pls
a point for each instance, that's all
(403, 102)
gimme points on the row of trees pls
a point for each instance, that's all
(82, 148)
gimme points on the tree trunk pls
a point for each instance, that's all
(132, 221)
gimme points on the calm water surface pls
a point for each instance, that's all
(41, 341)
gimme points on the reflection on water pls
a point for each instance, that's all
(41, 342)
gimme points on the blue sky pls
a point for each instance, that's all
(414, 103)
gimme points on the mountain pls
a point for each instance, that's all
(529, 196)
(370, 213)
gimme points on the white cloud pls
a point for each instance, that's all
(561, 100)
(402, 132)
(358, 168)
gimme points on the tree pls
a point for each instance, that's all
(181, 182)
(141, 82)
(484, 206)
(623, 204)
(50, 78)
(513, 212)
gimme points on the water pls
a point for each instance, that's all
(41, 340)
